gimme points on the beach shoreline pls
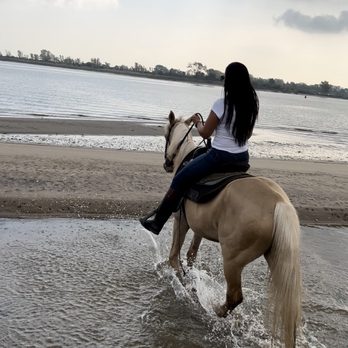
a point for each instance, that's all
(56, 181)
(53, 181)
(63, 126)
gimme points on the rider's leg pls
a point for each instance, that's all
(191, 173)
(195, 170)
(155, 221)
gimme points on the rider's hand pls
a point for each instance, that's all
(195, 119)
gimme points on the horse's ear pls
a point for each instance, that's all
(171, 117)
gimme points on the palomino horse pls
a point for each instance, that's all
(251, 217)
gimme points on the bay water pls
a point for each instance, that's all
(69, 283)
(289, 126)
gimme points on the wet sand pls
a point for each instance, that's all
(50, 181)
(64, 126)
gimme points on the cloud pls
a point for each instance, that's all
(78, 3)
(316, 24)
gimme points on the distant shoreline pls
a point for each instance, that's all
(269, 85)
(113, 71)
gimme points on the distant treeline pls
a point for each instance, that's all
(196, 73)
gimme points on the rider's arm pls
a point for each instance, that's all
(206, 130)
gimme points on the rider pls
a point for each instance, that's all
(232, 118)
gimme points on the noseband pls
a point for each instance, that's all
(170, 162)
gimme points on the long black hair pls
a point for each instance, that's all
(240, 100)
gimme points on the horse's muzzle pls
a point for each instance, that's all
(168, 166)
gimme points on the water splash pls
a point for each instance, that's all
(245, 327)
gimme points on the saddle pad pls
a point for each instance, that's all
(207, 188)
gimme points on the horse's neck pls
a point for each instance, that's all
(185, 149)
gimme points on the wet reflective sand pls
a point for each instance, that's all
(85, 283)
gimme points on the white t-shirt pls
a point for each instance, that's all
(223, 140)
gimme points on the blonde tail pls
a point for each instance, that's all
(285, 285)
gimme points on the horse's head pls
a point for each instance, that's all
(176, 131)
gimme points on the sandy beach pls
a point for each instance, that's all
(64, 126)
(51, 181)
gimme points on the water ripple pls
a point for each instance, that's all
(68, 283)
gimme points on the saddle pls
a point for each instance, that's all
(207, 188)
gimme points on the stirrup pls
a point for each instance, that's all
(152, 225)
(148, 216)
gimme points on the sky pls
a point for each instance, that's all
(294, 40)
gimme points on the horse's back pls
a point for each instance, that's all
(244, 209)
(260, 191)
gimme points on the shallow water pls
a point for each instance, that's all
(49, 92)
(93, 283)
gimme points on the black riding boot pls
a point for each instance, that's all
(156, 219)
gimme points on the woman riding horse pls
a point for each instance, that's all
(232, 118)
(250, 217)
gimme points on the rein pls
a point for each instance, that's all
(170, 162)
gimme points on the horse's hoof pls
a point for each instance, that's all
(221, 311)
(190, 263)
(175, 267)
(161, 265)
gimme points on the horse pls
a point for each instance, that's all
(250, 217)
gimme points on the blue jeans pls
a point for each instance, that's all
(210, 162)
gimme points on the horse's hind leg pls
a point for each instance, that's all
(180, 229)
(234, 295)
(193, 250)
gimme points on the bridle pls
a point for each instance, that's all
(168, 163)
